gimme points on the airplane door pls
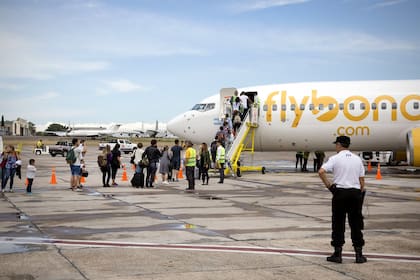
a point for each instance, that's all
(225, 106)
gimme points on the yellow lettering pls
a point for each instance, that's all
(348, 114)
(269, 102)
(376, 111)
(331, 109)
(325, 100)
(403, 107)
(283, 101)
(298, 111)
(353, 131)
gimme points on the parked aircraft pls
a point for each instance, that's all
(92, 131)
(377, 115)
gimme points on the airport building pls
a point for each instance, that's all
(18, 127)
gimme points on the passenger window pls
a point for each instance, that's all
(383, 106)
(265, 107)
(416, 105)
(274, 108)
(283, 107)
(292, 107)
(341, 106)
(362, 106)
(351, 106)
(321, 107)
(374, 106)
(330, 106)
(311, 107)
(394, 106)
(302, 107)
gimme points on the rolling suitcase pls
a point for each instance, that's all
(138, 180)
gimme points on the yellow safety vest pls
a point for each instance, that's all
(221, 159)
(190, 157)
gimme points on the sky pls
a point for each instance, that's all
(122, 61)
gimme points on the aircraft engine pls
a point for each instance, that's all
(413, 147)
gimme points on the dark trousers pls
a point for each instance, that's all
(204, 174)
(29, 186)
(299, 159)
(151, 174)
(114, 170)
(347, 201)
(106, 174)
(222, 173)
(189, 171)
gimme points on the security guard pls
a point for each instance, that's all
(190, 162)
(347, 187)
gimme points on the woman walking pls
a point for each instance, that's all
(115, 162)
(165, 161)
(9, 170)
(205, 162)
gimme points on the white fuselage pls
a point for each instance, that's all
(309, 116)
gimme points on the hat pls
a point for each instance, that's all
(343, 140)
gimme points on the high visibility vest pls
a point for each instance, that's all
(190, 157)
(221, 156)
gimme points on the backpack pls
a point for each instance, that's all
(144, 160)
(102, 162)
(71, 156)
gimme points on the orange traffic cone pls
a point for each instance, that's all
(124, 175)
(369, 167)
(378, 172)
(53, 180)
(179, 175)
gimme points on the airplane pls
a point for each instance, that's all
(377, 115)
(92, 131)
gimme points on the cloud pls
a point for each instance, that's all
(24, 56)
(125, 86)
(246, 6)
(387, 3)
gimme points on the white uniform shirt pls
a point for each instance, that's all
(347, 168)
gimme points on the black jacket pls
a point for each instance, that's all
(153, 154)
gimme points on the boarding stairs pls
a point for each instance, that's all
(244, 140)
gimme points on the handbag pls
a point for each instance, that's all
(85, 173)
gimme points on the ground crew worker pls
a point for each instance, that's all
(39, 144)
(220, 161)
(347, 187)
(299, 158)
(190, 162)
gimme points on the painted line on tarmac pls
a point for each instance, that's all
(205, 248)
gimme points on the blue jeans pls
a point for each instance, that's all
(8, 173)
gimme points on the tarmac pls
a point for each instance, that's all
(271, 226)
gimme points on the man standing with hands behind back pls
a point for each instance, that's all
(347, 187)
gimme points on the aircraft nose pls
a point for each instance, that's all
(176, 125)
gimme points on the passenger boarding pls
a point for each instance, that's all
(378, 115)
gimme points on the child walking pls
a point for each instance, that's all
(30, 175)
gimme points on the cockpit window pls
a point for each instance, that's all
(202, 107)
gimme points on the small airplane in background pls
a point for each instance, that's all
(92, 131)
(377, 115)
